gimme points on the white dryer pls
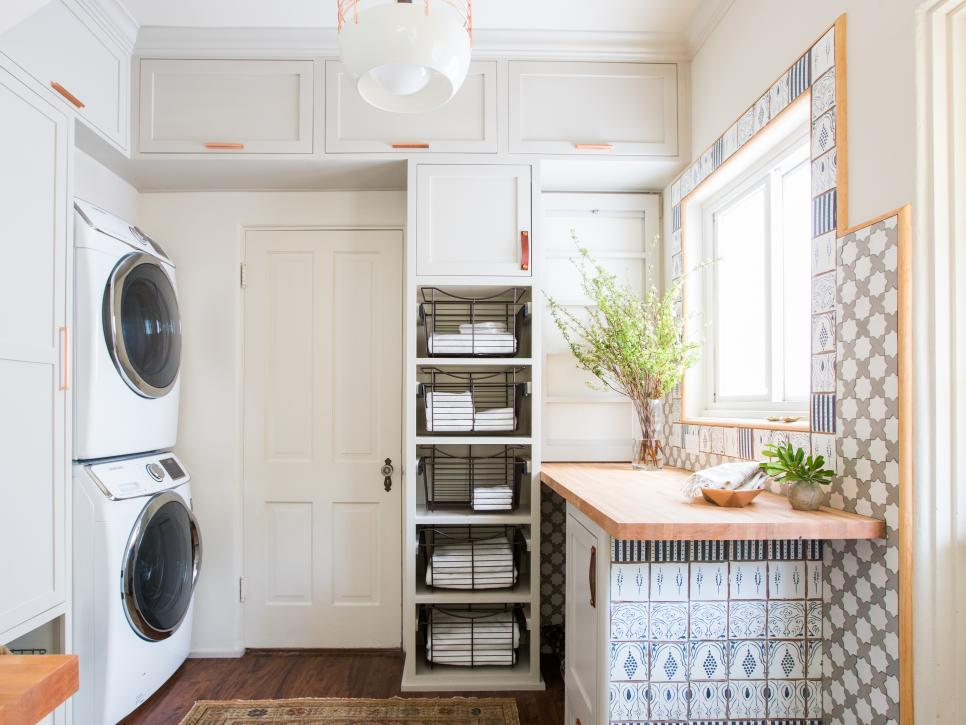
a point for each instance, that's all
(127, 339)
(137, 555)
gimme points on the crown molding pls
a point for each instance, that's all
(704, 22)
(114, 19)
(163, 41)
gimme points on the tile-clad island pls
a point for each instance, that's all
(685, 612)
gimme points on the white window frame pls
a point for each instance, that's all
(787, 156)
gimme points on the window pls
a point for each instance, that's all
(757, 233)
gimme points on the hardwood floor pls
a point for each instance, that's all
(277, 676)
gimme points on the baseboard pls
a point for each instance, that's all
(362, 651)
(211, 654)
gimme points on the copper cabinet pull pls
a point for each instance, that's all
(65, 359)
(225, 145)
(578, 721)
(525, 251)
(594, 146)
(410, 145)
(592, 575)
(74, 100)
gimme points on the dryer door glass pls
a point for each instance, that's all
(161, 567)
(145, 329)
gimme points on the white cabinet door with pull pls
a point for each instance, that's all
(473, 220)
(35, 148)
(66, 51)
(226, 106)
(466, 124)
(593, 108)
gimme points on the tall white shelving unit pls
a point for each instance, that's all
(418, 675)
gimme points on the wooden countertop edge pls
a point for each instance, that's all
(848, 526)
(31, 686)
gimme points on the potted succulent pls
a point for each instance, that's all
(805, 475)
(633, 345)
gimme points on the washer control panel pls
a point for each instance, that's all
(140, 476)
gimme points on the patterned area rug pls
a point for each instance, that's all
(397, 711)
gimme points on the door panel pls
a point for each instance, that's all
(582, 620)
(323, 409)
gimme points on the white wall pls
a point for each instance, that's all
(757, 40)
(99, 185)
(203, 234)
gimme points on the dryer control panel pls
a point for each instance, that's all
(141, 476)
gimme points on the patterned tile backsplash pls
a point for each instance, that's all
(716, 631)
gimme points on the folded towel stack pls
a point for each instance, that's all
(483, 564)
(454, 413)
(492, 498)
(732, 476)
(495, 419)
(479, 338)
(472, 638)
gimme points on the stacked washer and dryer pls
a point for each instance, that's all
(137, 546)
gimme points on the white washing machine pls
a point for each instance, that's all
(137, 555)
(127, 339)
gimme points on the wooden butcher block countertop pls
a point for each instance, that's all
(33, 685)
(630, 504)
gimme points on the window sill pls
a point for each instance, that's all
(800, 426)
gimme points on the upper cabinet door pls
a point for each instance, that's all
(467, 123)
(35, 146)
(226, 106)
(68, 53)
(593, 108)
(473, 220)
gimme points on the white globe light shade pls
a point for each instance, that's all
(403, 59)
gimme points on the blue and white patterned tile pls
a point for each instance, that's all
(628, 621)
(813, 700)
(731, 442)
(824, 173)
(745, 443)
(814, 619)
(786, 660)
(707, 162)
(669, 622)
(628, 550)
(746, 619)
(823, 93)
(718, 440)
(729, 141)
(761, 440)
(778, 96)
(628, 582)
(669, 662)
(704, 439)
(823, 332)
(823, 54)
(676, 242)
(814, 659)
(669, 582)
(747, 699)
(746, 659)
(669, 551)
(628, 701)
(748, 580)
(800, 439)
(677, 435)
(676, 217)
(762, 113)
(787, 549)
(709, 581)
(675, 192)
(685, 180)
(709, 620)
(823, 134)
(786, 699)
(628, 662)
(823, 293)
(823, 413)
(746, 126)
(708, 661)
(786, 579)
(823, 373)
(692, 441)
(799, 77)
(824, 213)
(669, 701)
(814, 576)
(675, 266)
(823, 253)
(786, 619)
(709, 702)
(710, 550)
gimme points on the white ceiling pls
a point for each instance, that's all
(673, 17)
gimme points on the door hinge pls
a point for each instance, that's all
(243, 276)
(242, 592)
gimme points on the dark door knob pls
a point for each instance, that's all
(387, 471)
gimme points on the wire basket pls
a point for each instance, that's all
(472, 557)
(466, 326)
(484, 402)
(488, 483)
(473, 636)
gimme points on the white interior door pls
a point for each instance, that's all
(323, 409)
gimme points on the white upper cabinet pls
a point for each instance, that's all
(593, 108)
(35, 147)
(67, 52)
(226, 106)
(473, 220)
(468, 123)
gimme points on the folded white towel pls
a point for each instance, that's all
(483, 564)
(449, 411)
(495, 419)
(473, 638)
(732, 476)
(492, 498)
(479, 343)
(484, 327)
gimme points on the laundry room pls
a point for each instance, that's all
(481, 362)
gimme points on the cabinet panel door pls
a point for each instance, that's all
(33, 284)
(226, 106)
(582, 620)
(60, 44)
(608, 108)
(473, 220)
(467, 123)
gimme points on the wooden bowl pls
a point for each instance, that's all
(728, 498)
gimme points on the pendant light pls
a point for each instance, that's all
(405, 56)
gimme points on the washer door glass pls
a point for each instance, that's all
(161, 567)
(142, 325)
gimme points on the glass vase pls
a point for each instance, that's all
(648, 451)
